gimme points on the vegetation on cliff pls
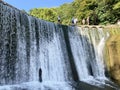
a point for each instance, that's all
(99, 11)
(113, 53)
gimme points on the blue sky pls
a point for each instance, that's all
(29, 4)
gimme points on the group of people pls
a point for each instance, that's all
(85, 21)
(73, 21)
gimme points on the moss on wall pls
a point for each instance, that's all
(113, 53)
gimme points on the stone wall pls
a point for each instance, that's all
(113, 54)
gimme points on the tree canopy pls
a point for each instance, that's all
(99, 11)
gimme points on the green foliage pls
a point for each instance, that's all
(116, 6)
(48, 14)
(99, 11)
(66, 12)
(107, 13)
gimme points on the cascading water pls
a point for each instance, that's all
(65, 54)
(29, 44)
(87, 47)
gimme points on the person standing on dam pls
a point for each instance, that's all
(75, 21)
(83, 21)
(88, 20)
(59, 20)
(72, 21)
(118, 22)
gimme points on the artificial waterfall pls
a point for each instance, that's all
(65, 54)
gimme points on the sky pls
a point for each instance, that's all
(29, 4)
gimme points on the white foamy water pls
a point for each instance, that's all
(64, 54)
(48, 85)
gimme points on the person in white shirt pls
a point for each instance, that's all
(83, 21)
(118, 22)
(59, 19)
(75, 21)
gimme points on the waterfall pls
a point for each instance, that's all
(38, 44)
(64, 54)
(87, 46)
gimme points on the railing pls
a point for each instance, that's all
(115, 26)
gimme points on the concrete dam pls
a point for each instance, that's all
(69, 57)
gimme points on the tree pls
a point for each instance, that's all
(99, 11)
(106, 11)
(48, 14)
